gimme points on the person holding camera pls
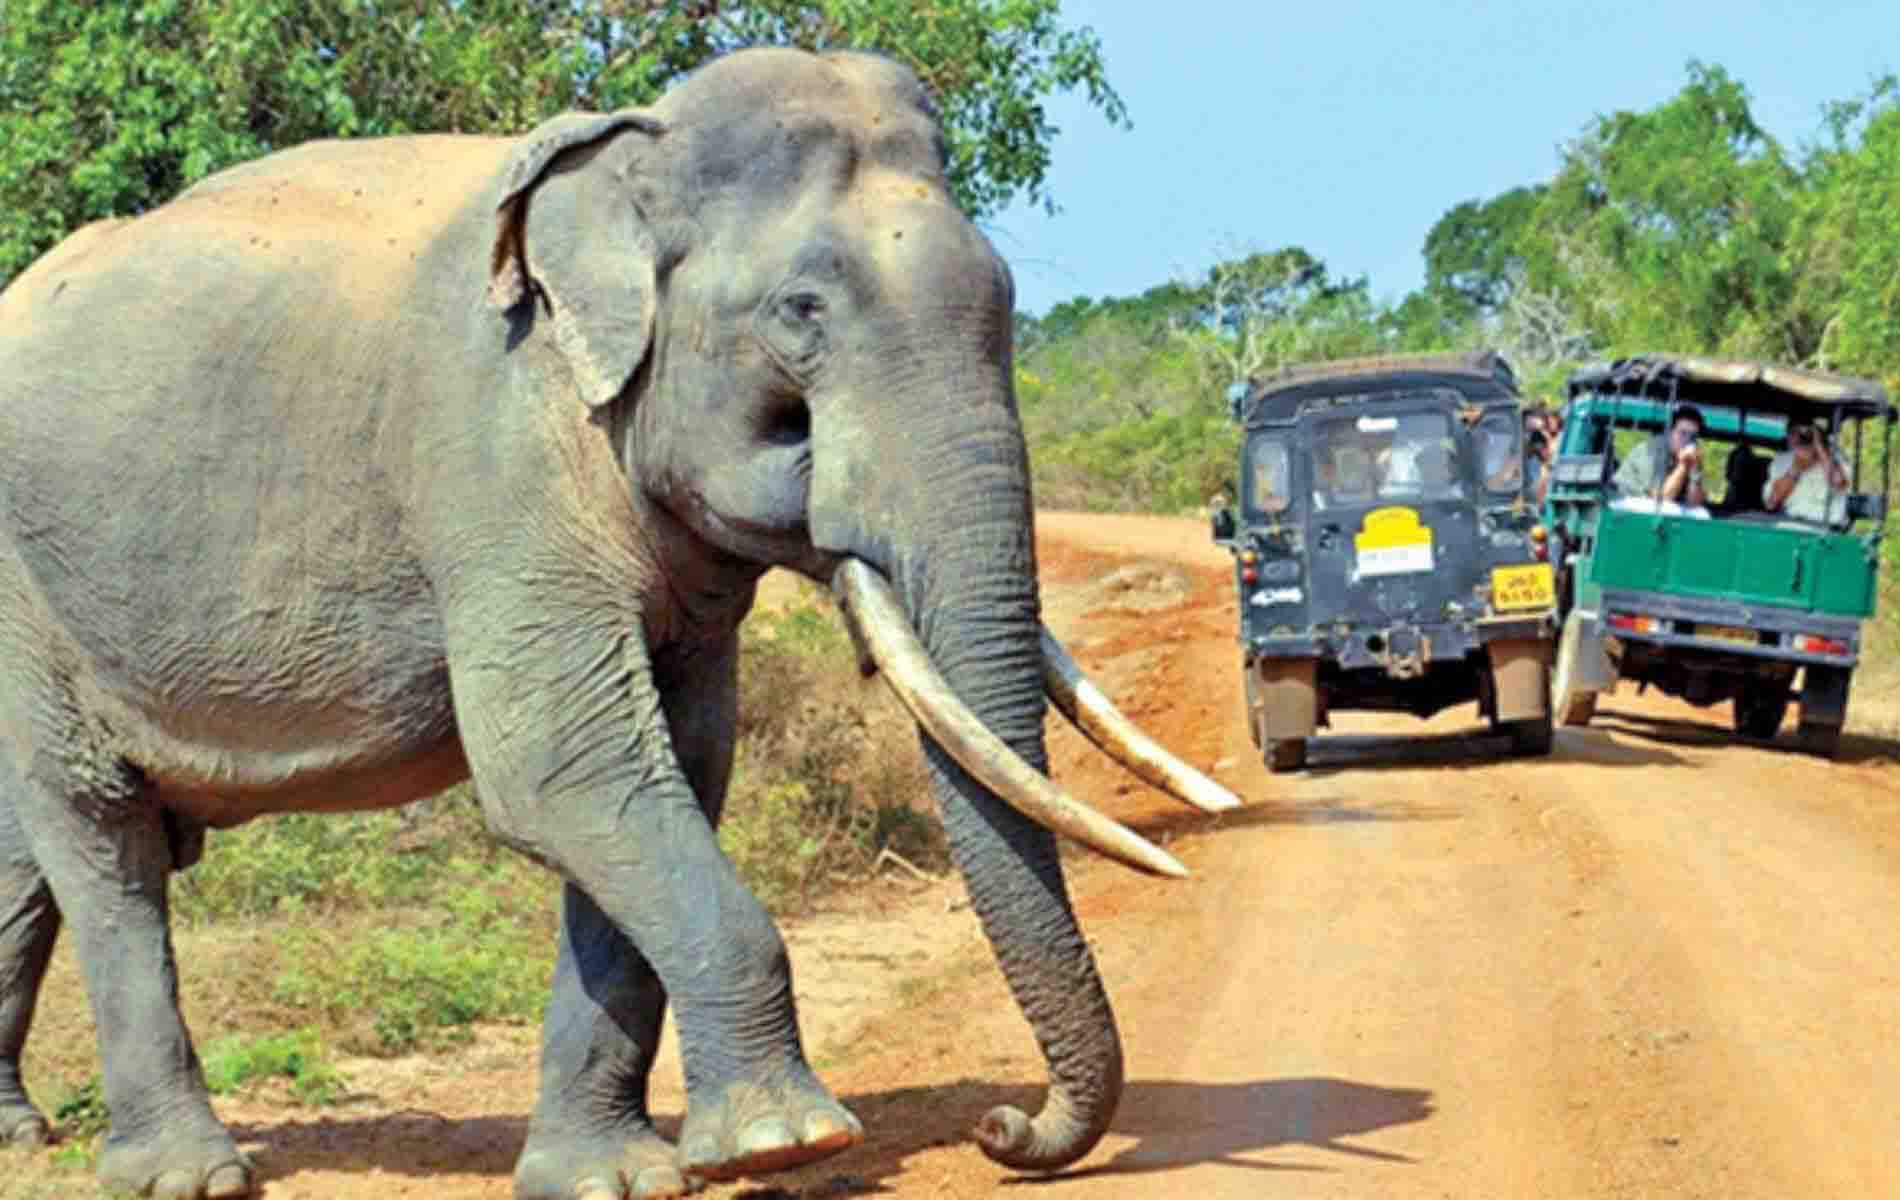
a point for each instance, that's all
(1668, 466)
(1804, 479)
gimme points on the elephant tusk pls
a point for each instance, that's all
(906, 666)
(1090, 711)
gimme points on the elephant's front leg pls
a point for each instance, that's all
(598, 776)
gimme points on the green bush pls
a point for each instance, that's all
(333, 861)
(481, 951)
(298, 1056)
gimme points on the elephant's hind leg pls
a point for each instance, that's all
(29, 925)
(591, 1130)
(95, 828)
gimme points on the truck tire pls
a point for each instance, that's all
(1819, 738)
(1287, 754)
(1759, 714)
(1531, 739)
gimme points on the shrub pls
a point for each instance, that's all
(298, 1056)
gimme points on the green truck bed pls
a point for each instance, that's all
(1740, 560)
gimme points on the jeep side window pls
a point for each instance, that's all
(1269, 475)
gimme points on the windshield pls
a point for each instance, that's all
(1269, 483)
(1400, 456)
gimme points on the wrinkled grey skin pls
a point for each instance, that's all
(372, 465)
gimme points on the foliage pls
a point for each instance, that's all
(828, 776)
(297, 1056)
(1849, 234)
(114, 106)
(1681, 227)
(476, 953)
(1471, 253)
(328, 861)
(80, 1113)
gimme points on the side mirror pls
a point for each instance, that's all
(1223, 522)
(1864, 506)
(1236, 397)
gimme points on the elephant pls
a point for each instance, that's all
(374, 465)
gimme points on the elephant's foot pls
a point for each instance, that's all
(754, 1129)
(205, 1167)
(637, 1164)
(22, 1127)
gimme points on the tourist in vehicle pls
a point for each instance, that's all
(1804, 479)
(1747, 476)
(1668, 467)
(1343, 469)
(1417, 460)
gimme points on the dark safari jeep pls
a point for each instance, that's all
(1729, 592)
(1385, 549)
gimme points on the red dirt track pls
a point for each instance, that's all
(1656, 964)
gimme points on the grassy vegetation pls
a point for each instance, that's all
(305, 937)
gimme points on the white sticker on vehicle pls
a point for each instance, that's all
(1272, 596)
(1394, 560)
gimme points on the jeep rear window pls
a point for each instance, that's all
(1387, 455)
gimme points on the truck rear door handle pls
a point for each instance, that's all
(1796, 585)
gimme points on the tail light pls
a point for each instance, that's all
(1631, 623)
(1808, 643)
(1248, 572)
(1540, 543)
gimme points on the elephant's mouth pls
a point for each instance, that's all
(886, 642)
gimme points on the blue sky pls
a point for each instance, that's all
(1349, 128)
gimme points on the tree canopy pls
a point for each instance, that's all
(1684, 226)
(112, 106)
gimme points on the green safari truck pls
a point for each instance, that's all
(1748, 584)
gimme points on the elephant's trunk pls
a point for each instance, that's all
(971, 594)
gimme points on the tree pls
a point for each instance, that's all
(111, 107)
(1848, 245)
(1690, 205)
(1260, 310)
(1472, 250)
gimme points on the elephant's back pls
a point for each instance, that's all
(208, 417)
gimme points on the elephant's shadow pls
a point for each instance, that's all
(1173, 1124)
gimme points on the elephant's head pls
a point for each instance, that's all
(802, 347)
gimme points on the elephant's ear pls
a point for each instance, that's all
(586, 251)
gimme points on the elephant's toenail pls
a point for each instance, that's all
(228, 1182)
(765, 1135)
(660, 1183)
(30, 1134)
(825, 1129)
(176, 1185)
(596, 1188)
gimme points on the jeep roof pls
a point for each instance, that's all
(1737, 383)
(1279, 397)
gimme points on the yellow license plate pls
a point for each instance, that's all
(1516, 588)
(1727, 633)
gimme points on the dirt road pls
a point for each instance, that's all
(1654, 965)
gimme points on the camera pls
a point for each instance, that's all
(1803, 436)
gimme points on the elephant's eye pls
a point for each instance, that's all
(794, 328)
(802, 307)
